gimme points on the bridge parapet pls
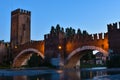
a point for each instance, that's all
(98, 40)
(39, 45)
(24, 51)
(99, 36)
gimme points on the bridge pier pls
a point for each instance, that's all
(78, 65)
(73, 62)
(21, 60)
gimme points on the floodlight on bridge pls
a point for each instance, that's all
(59, 47)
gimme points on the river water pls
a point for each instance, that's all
(70, 74)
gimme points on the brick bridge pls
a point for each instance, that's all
(74, 48)
(23, 52)
(66, 44)
(69, 48)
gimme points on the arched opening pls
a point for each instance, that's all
(24, 56)
(74, 57)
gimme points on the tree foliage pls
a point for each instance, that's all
(79, 32)
(56, 30)
(35, 61)
(69, 32)
(88, 55)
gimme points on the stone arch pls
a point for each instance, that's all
(74, 54)
(25, 54)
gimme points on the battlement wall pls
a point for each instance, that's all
(114, 26)
(98, 36)
(21, 11)
(47, 36)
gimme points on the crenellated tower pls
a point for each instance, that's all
(114, 37)
(20, 27)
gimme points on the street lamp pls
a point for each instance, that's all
(15, 46)
(59, 47)
(61, 64)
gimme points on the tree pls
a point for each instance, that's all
(79, 32)
(57, 28)
(88, 55)
(35, 61)
(70, 32)
(62, 29)
(52, 30)
(85, 33)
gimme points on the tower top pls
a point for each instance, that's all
(21, 11)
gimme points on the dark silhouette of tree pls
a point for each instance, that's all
(52, 31)
(73, 32)
(79, 32)
(85, 33)
(62, 29)
(35, 61)
(57, 28)
(70, 32)
(88, 55)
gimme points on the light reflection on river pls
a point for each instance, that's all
(83, 74)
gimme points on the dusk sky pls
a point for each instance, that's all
(90, 15)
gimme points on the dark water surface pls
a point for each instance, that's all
(82, 74)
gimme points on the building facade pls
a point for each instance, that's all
(100, 58)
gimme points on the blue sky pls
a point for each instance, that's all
(90, 15)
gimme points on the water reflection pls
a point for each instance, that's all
(40, 77)
(92, 74)
(71, 75)
(20, 78)
(67, 75)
